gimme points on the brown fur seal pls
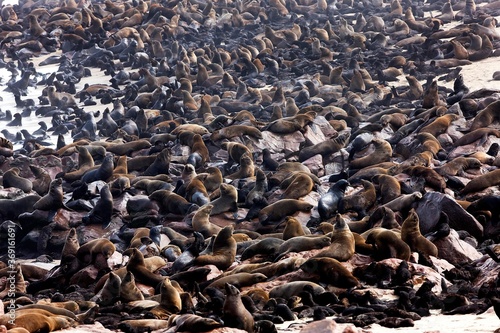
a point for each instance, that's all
(60, 99)
(382, 153)
(103, 172)
(389, 188)
(234, 312)
(41, 322)
(201, 222)
(486, 116)
(196, 192)
(85, 162)
(41, 184)
(280, 209)
(89, 252)
(11, 178)
(293, 228)
(440, 125)
(160, 164)
(171, 202)
(246, 169)
(482, 182)
(478, 134)
(102, 211)
(331, 271)
(300, 185)
(387, 244)
(199, 152)
(342, 242)
(170, 300)
(235, 151)
(234, 131)
(324, 148)
(359, 202)
(223, 250)
(259, 189)
(71, 245)
(129, 291)
(239, 280)
(212, 178)
(410, 234)
(302, 243)
(137, 266)
(52, 200)
(403, 203)
(227, 201)
(110, 292)
(458, 165)
(294, 288)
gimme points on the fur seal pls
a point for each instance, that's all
(300, 185)
(359, 202)
(171, 202)
(280, 209)
(129, 291)
(294, 288)
(11, 178)
(234, 131)
(482, 182)
(103, 172)
(234, 312)
(324, 148)
(137, 266)
(259, 189)
(41, 184)
(410, 234)
(199, 152)
(52, 200)
(102, 211)
(331, 271)
(387, 244)
(486, 116)
(458, 165)
(388, 187)
(382, 153)
(328, 203)
(110, 292)
(227, 202)
(201, 222)
(342, 245)
(302, 243)
(89, 252)
(223, 250)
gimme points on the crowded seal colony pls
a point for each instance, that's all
(241, 164)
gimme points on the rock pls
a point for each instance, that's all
(314, 134)
(459, 218)
(289, 143)
(321, 326)
(315, 164)
(324, 125)
(455, 250)
(85, 277)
